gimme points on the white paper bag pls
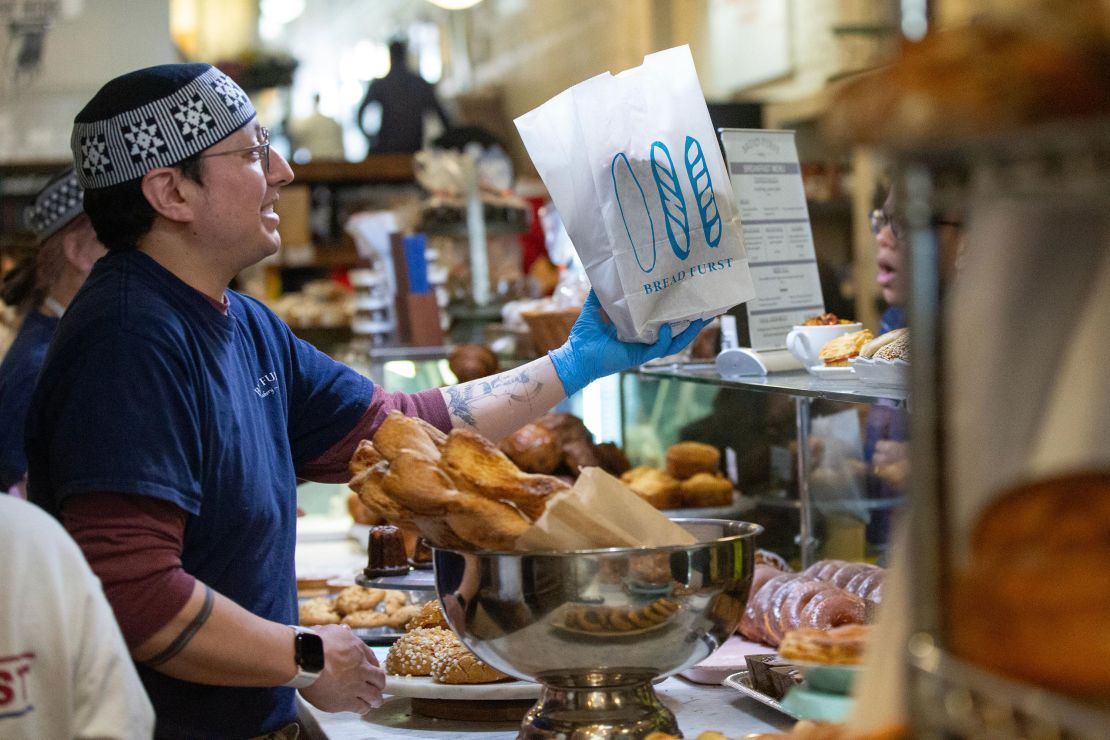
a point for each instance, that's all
(632, 163)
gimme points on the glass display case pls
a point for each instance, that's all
(797, 447)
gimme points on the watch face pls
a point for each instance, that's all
(310, 652)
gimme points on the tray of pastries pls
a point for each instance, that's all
(376, 615)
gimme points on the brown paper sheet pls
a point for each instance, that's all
(600, 511)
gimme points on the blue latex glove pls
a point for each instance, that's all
(593, 351)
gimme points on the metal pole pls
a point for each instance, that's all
(806, 540)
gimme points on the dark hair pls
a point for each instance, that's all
(121, 215)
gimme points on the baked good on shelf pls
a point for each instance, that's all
(386, 554)
(1033, 601)
(842, 645)
(421, 554)
(534, 448)
(685, 459)
(871, 347)
(705, 489)
(320, 610)
(366, 618)
(653, 485)
(472, 361)
(776, 561)
(453, 663)
(357, 599)
(836, 352)
(825, 319)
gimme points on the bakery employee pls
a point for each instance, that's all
(173, 416)
(40, 288)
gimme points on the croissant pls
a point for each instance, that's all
(366, 455)
(399, 432)
(477, 466)
(368, 486)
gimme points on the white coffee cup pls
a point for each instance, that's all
(804, 342)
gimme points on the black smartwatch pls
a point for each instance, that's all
(308, 652)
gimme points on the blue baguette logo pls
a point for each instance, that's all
(702, 183)
(671, 198)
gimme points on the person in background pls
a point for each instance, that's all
(173, 416)
(404, 98)
(40, 288)
(64, 669)
(318, 135)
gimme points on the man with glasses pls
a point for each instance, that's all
(173, 417)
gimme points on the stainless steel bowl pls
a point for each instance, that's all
(596, 627)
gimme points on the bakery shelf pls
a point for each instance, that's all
(975, 703)
(797, 384)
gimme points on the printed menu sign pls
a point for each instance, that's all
(767, 180)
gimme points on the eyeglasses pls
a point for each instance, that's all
(880, 219)
(262, 150)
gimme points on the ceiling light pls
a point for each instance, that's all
(455, 4)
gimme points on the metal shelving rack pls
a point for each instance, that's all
(948, 697)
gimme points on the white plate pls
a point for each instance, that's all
(830, 373)
(889, 373)
(425, 687)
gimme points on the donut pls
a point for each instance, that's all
(832, 608)
(772, 617)
(766, 557)
(843, 576)
(799, 598)
(761, 575)
(358, 599)
(871, 585)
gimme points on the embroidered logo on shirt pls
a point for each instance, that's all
(15, 674)
(266, 384)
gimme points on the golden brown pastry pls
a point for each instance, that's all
(366, 618)
(477, 466)
(472, 361)
(836, 352)
(399, 432)
(398, 618)
(359, 512)
(430, 615)
(842, 645)
(899, 349)
(356, 599)
(368, 485)
(1033, 602)
(705, 489)
(653, 485)
(688, 458)
(318, 611)
(453, 663)
(612, 459)
(535, 449)
(394, 600)
(366, 455)
(412, 654)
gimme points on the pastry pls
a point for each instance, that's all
(825, 319)
(766, 557)
(366, 618)
(399, 432)
(871, 347)
(580, 453)
(386, 554)
(534, 449)
(832, 608)
(398, 618)
(412, 653)
(366, 456)
(836, 352)
(705, 489)
(1033, 601)
(318, 611)
(899, 349)
(430, 615)
(394, 600)
(359, 512)
(368, 485)
(471, 362)
(454, 664)
(687, 458)
(838, 646)
(356, 599)
(612, 459)
(653, 485)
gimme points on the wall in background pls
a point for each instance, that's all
(107, 38)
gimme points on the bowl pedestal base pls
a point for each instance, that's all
(625, 709)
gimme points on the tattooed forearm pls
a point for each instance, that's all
(500, 404)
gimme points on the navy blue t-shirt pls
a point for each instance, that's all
(17, 379)
(149, 389)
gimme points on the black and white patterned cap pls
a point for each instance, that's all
(154, 117)
(58, 203)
